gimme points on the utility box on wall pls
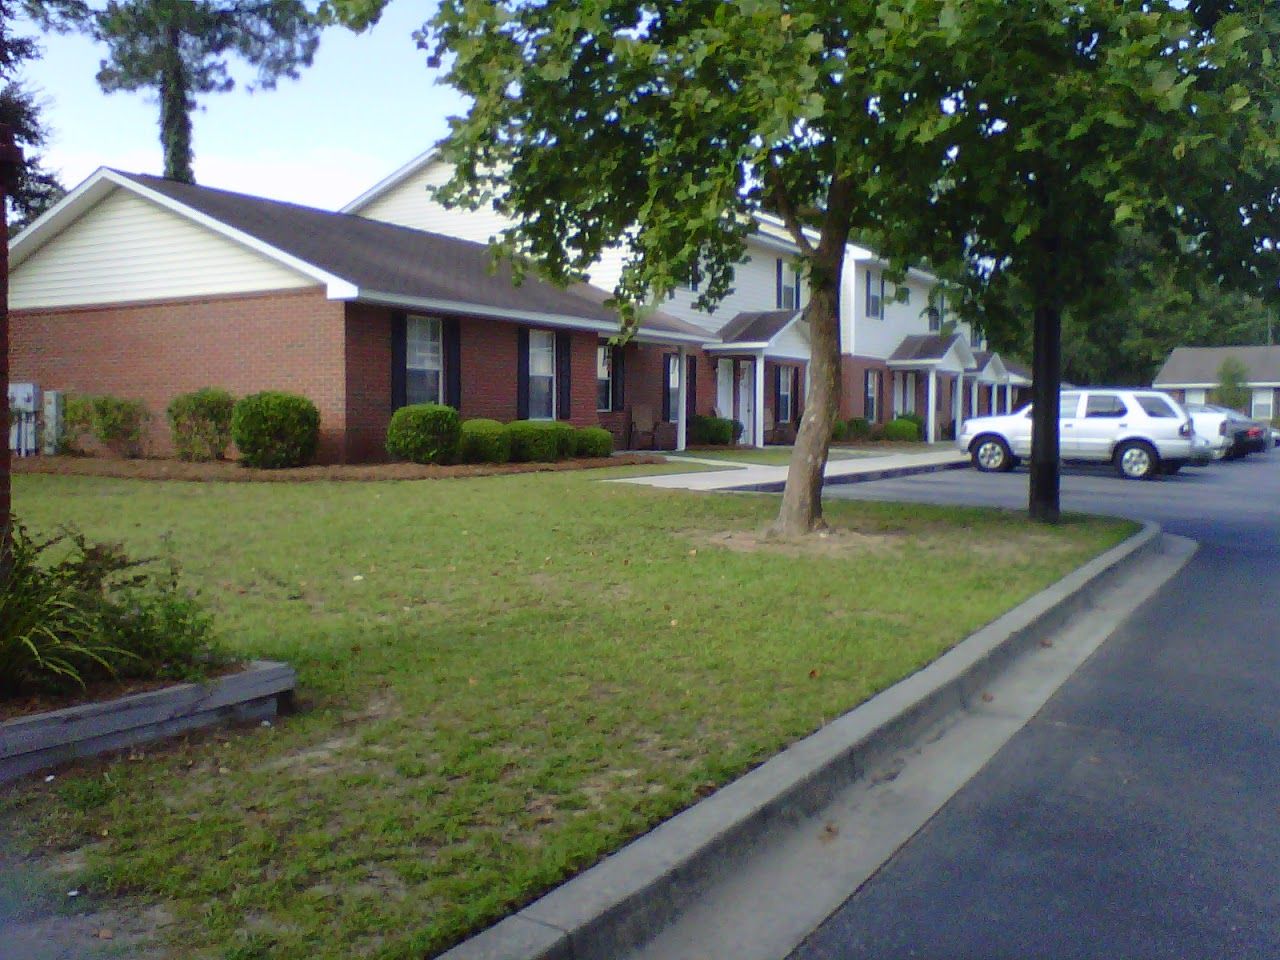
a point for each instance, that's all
(24, 407)
(52, 422)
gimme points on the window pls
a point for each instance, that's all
(875, 295)
(935, 319)
(1263, 404)
(694, 279)
(786, 389)
(604, 377)
(424, 360)
(1104, 405)
(903, 293)
(788, 282)
(542, 375)
(673, 386)
(1156, 407)
(871, 396)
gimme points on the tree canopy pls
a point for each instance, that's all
(37, 188)
(181, 49)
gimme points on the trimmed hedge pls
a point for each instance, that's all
(200, 423)
(116, 423)
(902, 428)
(540, 441)
(858, 429)
(483, 441)
(274, 429)
(424, 433)
(714, 431)
(592, 442)
(916, 418)
(839, 430)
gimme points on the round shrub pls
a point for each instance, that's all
(539, 441)
(424, 433)
(859, 429)
(916, 418)
(484, 441)
(200, 423)
(839, 430)
(274, 429)
(902, 429)
(719, 431)
(592, 442)
(566, 438)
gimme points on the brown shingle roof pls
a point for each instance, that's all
(1201, 364)
(756, 327)
(398, 261)
(923, 346)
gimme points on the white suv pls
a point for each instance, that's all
(1143, 432)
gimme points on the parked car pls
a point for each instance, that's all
(1143, 432)
(1249, 435)
(1214, 425)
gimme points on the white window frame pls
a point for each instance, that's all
(424, 350)
(875, 302)
(871, 412)
(786, 391)
(604, 360)
(543, 342)
(1255, 408)
(673, 387)
(788, 285)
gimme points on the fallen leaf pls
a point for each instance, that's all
(830, 831)
(105, 934)
(814, 674)
(1046, 642)
(987, 698)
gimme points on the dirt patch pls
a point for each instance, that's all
(229, 472)
(827, 543)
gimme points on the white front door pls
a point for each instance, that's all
(724, 388)
(747, 403)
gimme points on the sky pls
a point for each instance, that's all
(366, 106)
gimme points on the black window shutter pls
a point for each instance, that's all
(564, 353)
(399, 356)
(619, 380)
(453, 363)
(522, 373)
(691, 402)
(666, 387)
(779, 282)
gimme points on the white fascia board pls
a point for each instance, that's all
(647, 335)
(716, 346)
(390, 182)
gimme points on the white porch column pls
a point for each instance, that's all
(973, 398)
(759, 404)
(930, 423)
(1008, 398)
(682, 398)
(957, 403)
(894, 378)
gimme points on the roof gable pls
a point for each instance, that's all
(1199, 366)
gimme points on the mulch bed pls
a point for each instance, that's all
(96, 692)
(230, 472)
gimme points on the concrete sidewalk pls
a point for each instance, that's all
(943, 456)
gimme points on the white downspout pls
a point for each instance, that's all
(682, 398)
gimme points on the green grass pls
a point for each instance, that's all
(770, 456)
(502, 679)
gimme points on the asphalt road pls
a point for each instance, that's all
(1137, 815)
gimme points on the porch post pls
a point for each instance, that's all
(973, 398)
(930, 424)
(1008, 398)
(759, 411)
(897, 395)
(957, 403)
(682, 395)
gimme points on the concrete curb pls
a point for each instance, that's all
(888, 473)
(621, 902)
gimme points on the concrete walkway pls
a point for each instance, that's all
(942, 456)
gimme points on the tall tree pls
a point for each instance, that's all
(35, 188)
(1016, 135)
(181, 49)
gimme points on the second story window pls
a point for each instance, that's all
(875, 294)
(788, 285)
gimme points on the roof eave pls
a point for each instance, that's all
(419, 162)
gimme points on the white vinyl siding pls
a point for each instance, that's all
(542, 375)
(409, 205)
(754, 288)
(127, 248)
(424, 360)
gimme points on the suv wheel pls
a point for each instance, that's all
(1136, 460)
(990, 454)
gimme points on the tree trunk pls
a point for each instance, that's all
(1046, 375)
(801, 510)
(10, 162)
(175, 110)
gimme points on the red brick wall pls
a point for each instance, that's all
(291, 340)
(853, 394)
(645, 377)
(368, 381)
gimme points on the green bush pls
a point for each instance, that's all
(116, 423)
(839, 430)
(592, 442)
(540, 441)
(859, 429)
(902, 429)
(915, 418)
(483, 441)
(77, 423)
(200, 423)
(717, 431)
(424, 433)
(93, 615)
(274, 429)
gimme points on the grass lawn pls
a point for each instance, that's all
(772, 456)
(502, 679)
